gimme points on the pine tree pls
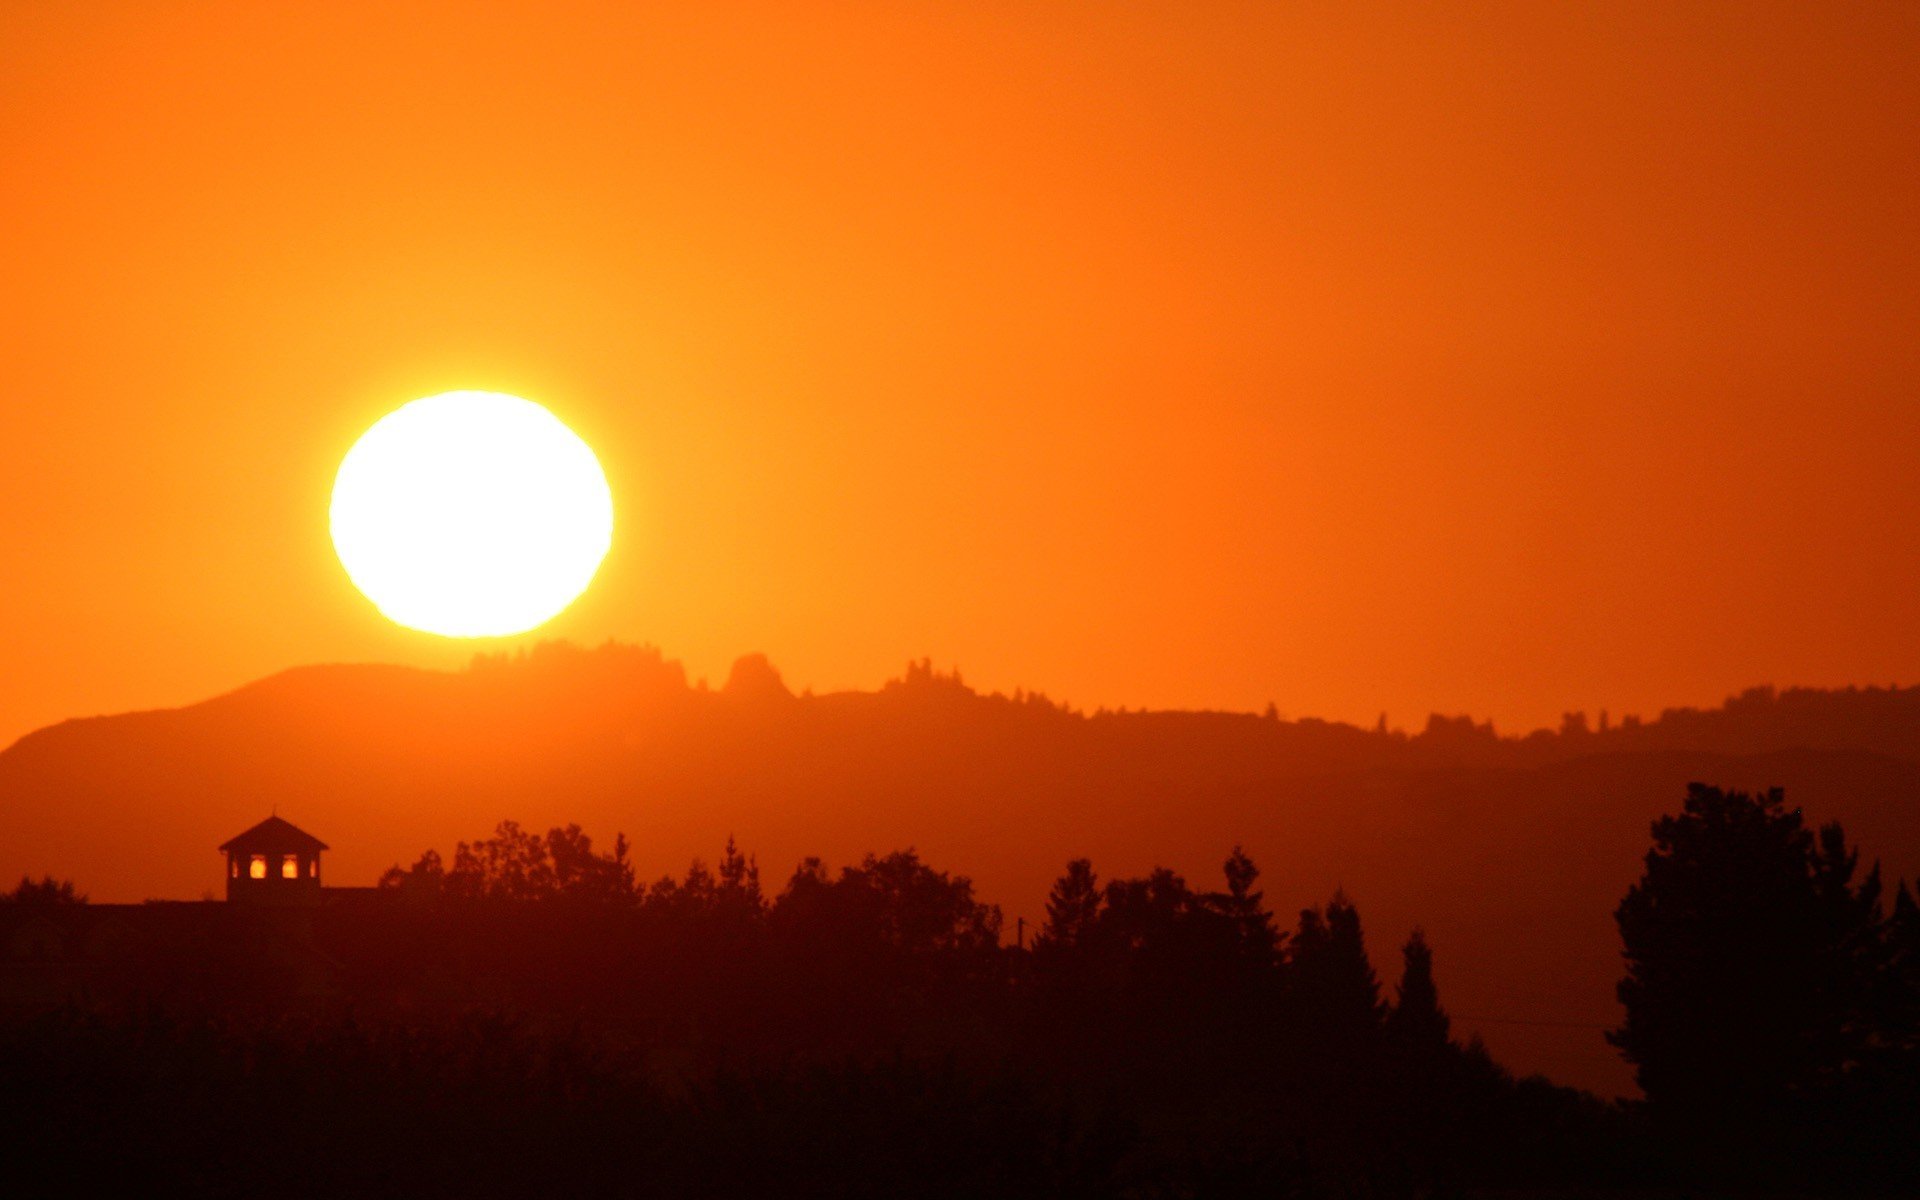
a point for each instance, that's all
(1336, 994)
(740, 878)
(1073, 908)
(1417, 1022)
(1252, 923)
(1748, 948)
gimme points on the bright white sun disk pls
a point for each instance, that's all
(471, 514)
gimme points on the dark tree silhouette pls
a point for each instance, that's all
(1334, 987)
(1417, 1024)
(1748, 949)
(896, 901)
(739, 875)
(1073, 908)
(517, 865)
(1429, 1083)
(578, 872)
(1245, 908)
(45, 890)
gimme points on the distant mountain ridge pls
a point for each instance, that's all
(1758, 720)
(1510, 851)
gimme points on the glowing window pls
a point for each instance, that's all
(257, 867)
(234, 866)
(289, 867)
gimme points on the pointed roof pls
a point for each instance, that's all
(273, 835)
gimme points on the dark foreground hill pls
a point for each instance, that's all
(1511, 852)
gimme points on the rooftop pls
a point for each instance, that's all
(273, 836)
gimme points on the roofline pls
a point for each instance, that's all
(281, 827)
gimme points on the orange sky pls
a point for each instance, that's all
(1168, 355)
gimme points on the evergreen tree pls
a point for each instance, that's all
(1336, 994)
(1252, 924)
(1073, 908)
(740, 879)
(1748, 948)
(1417, 1022)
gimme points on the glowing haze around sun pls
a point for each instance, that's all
(471, 514)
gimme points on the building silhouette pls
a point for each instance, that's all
(274, 863)
(272, 924)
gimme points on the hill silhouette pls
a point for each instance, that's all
(1511, 852)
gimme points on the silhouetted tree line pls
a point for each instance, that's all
(1204, 1038)
(44, 890)
(866, 1031)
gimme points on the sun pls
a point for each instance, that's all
(471, 514)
